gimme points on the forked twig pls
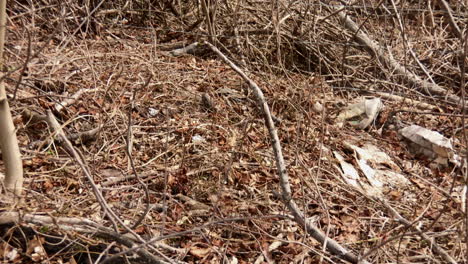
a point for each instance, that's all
(449, 14)
(379, 52)
(434, 246)
(81, 225)
(102, 202)
(287, 199)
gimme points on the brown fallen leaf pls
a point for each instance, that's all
(199, 252)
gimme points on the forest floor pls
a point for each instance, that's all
(206, 170)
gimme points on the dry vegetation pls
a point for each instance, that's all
(206, 179)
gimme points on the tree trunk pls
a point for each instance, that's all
(8, 142)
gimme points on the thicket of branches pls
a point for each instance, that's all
(386, 48)
(305, 36)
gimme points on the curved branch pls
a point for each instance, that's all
(299, 216)
(379, 52)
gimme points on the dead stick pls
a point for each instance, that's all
(375, 50)
(299, 216)
(449, 14)
(53, 123)
(433, 245)
(60, 106)
(85, 226)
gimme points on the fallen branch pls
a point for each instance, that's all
(330, 244)
(379, 52)
(116, 221)
(451, 19)
(194, 49)
(82, 137)
(60, 106)
(432, 245)
(84, 226)
(406, 100)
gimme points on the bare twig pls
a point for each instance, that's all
(449, 14)
(434, 246)
(60, 106)
(190, 231)
(128, 151)
(23, 69)
(85, 20)
(78, 158)
(103, 253)
(464, 169)
(81, 225)
(209, 10)
(375, 50)
(299, 216)
(410, 49)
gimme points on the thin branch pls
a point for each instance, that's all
(61, 105)
(81, 225)
(448, 14)
(464, 45)
(23, 69)
(85, 20)
(128, 151)
(78, 158)
(379, 52)
(299, 216)
(434, 246)
(407, 43)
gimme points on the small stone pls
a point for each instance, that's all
(318, 108)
